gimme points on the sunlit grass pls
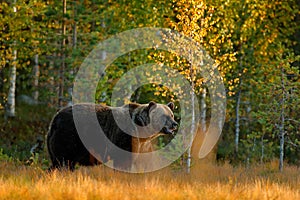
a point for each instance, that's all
(206, 181)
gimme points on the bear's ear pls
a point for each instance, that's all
(151, 106)
(171, 105)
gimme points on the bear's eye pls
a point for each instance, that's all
(172, 115)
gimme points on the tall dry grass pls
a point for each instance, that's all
(206, 181)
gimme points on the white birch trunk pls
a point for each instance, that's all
(237, 122)
(237, 109)
(11, 99)
(203, 110)
(281, 126)
(193, 127)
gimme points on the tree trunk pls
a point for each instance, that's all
(237, 107)
(11, 99)
(281, 126)
(237, 122)
(36, 74)
(52, 85)
(203, 110)
(74, 44)
(262, 149)
(62, 66)
(193, 126)
(74, 25)
(188, 162)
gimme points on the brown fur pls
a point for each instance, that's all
(66, 148)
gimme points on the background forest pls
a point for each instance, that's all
(256, 44)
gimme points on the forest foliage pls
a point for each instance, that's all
(255, 44)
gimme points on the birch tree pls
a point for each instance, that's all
(20, 36)
(195, 20)
(11, 100)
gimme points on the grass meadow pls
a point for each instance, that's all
(206, 181)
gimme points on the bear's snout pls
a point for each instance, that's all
(174, 125)
(169, 127)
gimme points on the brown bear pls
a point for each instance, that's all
(66, 148)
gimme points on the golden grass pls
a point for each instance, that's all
(206, 181)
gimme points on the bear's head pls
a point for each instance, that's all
(155, 118)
